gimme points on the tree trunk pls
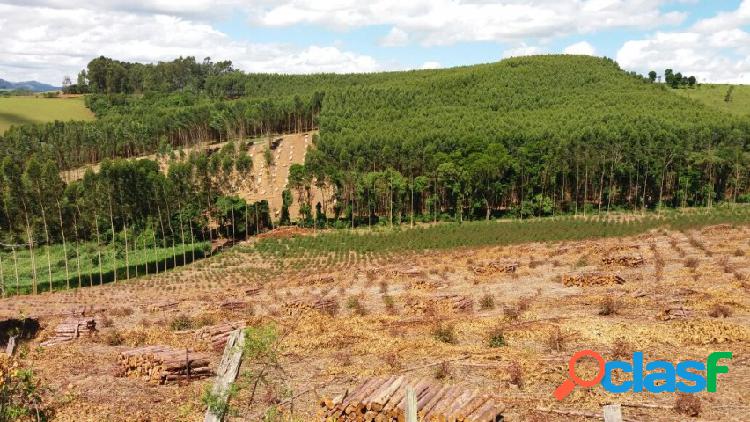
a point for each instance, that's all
(31, 250)
(2, 277)
(65, 247)
(114, 247)
(46, 236)
(15, 269)
(127, 255)
(98, 249)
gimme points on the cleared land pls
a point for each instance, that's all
(16, 111)
(401, 311)
(716, 95)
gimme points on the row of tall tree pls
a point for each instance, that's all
(191, 200)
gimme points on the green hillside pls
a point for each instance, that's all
(736, 100)
(528, 136)
(20, 110)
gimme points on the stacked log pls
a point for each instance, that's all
(384, 399)
(71, 330)
(494, 267)
(453, 303)
(328, 306)
(624, 260)
(591, 279)
(163, 364)
(217, 335)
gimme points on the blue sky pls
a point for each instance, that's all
(46, 39)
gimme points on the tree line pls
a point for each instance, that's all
(132, 203)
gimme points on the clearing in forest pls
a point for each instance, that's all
(15, 111)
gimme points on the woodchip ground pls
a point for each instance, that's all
(682, 295)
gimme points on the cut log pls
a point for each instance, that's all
(71, 330)
(162, 364)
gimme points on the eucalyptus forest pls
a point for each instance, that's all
(525, 137)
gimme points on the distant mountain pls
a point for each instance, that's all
(28, 85)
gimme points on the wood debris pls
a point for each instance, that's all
(319, 279)
(591, 279)
(384, 399)
(71, 330)
(328, 306)
(674, 311)
(253, 291)
(495, 267)
(624, 260)
(217, 335)
(406, 272)
(234, 305)
(164, 306)
(451, 303)
(163, 364)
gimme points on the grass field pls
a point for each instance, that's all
(714, 96)
(22, 110)
(84, 261)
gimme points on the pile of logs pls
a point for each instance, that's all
(328, 306)
(383, 399)
(71, 330)
(494, 267)
(163, 364)
(217, 335)
(591, 279)
(625, 260)
(450, 303)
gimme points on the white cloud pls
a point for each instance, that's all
(523, 50)
(443, 22)
(715, 49)
(395, 38)
(580, 48)
(432, 65)
(56, 42)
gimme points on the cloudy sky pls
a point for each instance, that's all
(46, 39)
